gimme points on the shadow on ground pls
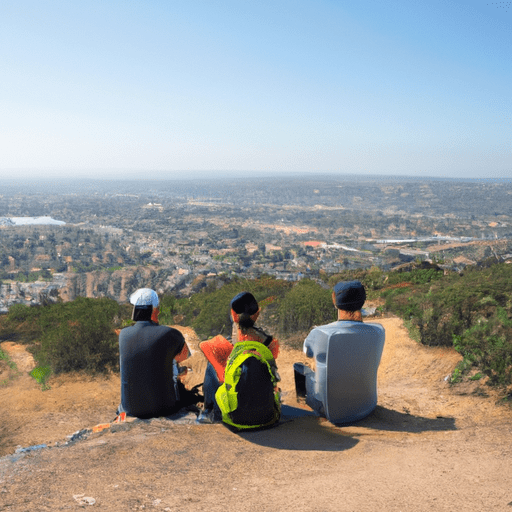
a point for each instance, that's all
(301, 430)
(390, 420)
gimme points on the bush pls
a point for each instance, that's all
(208, 311)
(488, 345)
(20, 324)
(80, 335)
(305, 305)
(470, 312)
(71, 336)
(416, 276)
(19, 313)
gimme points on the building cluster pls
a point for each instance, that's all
(102, 243)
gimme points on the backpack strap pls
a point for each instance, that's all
(259, 335)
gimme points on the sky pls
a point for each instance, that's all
(180, 89)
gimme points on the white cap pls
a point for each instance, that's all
(144, 297)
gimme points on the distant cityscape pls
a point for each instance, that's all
(108, 238)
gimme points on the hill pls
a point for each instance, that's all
(429, 445)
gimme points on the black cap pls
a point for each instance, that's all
(244, 302)
(350, 295)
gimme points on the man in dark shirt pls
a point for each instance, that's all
(146, 354)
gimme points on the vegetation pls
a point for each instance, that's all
(208, 311)
(471, 312)
(9, 365)
(7, 360)
(65, 337)
(41, 374)
(305, 305)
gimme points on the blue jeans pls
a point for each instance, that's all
(210, 386)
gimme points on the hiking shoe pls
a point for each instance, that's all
(207, 417)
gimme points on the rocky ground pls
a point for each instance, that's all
(428, 446)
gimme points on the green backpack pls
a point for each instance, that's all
(249, 397)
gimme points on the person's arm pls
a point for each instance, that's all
(274, 348)
(184, 354)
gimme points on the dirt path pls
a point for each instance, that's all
(428, 446)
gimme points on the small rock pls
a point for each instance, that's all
(82, 499)
(79, 434)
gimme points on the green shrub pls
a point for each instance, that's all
(5, 361)
(470, 312)
(208, 310)
(41, 374)
(416, 276)
(5, 357)
(488, 345)
(20, 324)
(305, 305)
(19, 313)
(71, 336)
(80, 335)
(461, 369)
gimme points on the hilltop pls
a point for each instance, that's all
(428, 446)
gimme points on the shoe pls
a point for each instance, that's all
(206, 417)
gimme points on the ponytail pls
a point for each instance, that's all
(245, 321)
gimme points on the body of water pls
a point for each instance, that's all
(26, 221)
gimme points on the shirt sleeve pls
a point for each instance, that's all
(274, 348)
(183, 354)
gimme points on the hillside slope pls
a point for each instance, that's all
(428, 446)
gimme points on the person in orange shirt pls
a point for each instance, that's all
(244, 313)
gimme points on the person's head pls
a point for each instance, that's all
(349, 296)
(145, 305)
(244, 309)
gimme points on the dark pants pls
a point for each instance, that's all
(210, 386)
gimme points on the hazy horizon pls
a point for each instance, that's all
(112, 90)
(207, 176)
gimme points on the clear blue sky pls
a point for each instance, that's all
(152, 88)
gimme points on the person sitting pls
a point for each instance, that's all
(347, 353)
(221, 354)
(147, 352)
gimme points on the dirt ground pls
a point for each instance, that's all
(427, 446)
